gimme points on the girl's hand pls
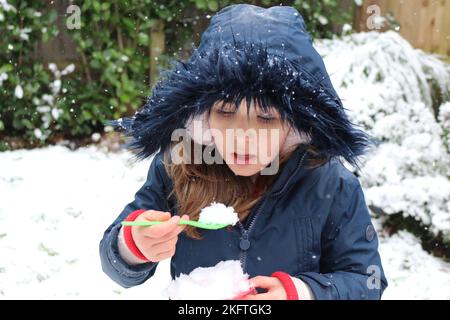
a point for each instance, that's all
(157, 242)
(274, 287)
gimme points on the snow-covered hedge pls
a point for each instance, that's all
(391, 90)
(444, 119)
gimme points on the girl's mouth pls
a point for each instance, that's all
(243, 159)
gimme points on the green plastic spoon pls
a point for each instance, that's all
(198, 224)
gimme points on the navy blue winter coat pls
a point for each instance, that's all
(313, 223)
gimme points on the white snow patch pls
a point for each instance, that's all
(411, 272)
(18, 92)
(6, 6)
(225, 280)
(96, 136)
(3, 77)
(55, 205)
(50, 241)
(24, 34)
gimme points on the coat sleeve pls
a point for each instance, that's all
(151, 196)
(350, 264)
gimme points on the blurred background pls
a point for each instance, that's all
(68, 66)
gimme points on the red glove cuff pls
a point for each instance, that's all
(128, 238)
(288, 284)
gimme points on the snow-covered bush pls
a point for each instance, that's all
(20, 77)
(49, 104)
(444, 119)
(391, 90)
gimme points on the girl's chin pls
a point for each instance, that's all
(244, 169)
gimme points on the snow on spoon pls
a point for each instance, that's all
(214, 217)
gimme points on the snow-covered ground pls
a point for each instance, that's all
(56, 203)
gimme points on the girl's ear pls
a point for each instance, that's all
(294, 137)
(197, 127)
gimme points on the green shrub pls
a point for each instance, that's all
(43, 102)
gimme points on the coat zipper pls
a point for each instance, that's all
(244, 242)
(245, 232)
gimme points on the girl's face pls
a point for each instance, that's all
(247, 143)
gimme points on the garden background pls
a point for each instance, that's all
(66, 67)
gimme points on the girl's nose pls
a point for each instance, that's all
(242, 141)
(245, 133)
(245, 139)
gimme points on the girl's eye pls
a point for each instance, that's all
(266, 118)
(225, 113)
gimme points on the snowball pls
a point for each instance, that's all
(225, 280)
(218, 213)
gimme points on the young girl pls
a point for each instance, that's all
(305, 230)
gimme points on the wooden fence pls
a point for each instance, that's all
(424, 23)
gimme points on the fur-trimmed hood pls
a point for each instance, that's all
(264, 55)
